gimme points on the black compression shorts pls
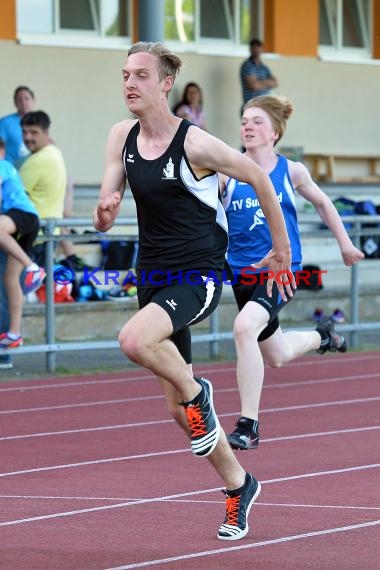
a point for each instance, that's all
(257, 292)
(186, 304)
(27, 225)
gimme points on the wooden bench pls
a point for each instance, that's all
(324, 167)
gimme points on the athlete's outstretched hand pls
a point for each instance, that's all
(107, 210)
(279, 270)
(352, 255)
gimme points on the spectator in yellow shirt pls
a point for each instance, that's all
(43, 172)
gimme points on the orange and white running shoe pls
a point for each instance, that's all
(238, 504)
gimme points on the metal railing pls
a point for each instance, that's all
(51, 347)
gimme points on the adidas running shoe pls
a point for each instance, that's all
(246, 434)
(238, 505)
(330, 340)
(203, 422)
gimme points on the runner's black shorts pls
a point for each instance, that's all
(27, 225)
(186, 304)
(257, 292)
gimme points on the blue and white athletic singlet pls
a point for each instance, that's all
(249, 236)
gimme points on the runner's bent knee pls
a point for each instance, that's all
(144, 331)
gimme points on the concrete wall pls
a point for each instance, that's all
(336, 103)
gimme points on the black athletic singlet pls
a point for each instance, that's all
(182, 224)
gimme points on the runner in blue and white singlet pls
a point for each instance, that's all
(249, 236)
(257, 332)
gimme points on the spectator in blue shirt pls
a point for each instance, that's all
(10, 128)
(15, 152)
(19, 227)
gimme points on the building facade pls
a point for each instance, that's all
(325, 54)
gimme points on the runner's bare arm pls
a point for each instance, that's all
(209, 153)
(114, 178)
(308, 189)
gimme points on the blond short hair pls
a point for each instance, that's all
(168, 62)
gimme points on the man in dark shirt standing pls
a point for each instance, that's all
(256, 78)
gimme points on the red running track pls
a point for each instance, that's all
(94, 474)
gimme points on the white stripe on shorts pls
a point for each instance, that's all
(210, 290)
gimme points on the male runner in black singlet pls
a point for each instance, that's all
(171, 167)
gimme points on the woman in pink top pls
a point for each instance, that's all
(190, 106)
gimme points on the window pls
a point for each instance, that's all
(189, 24)
(251, 20)
(344, 26)
(79, 15)
(35, 16)
(217, 19)
(179, 20)
(74, 18)
(233, 21)
(356, 23)
(107, 18)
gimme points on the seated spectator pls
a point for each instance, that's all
(16, 152)
(46, 181)
(43, 172)
(19, 226)
(191, 106)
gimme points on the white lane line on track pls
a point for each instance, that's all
(306, 506)
(276, 505)
(362, 377)
(165, 453)
(76, 383)
(208, 501)
(94, 462)
(167, 421)
(82, 404)
(67, 498)
(279, 540)
(229, 368)
(134, 502)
